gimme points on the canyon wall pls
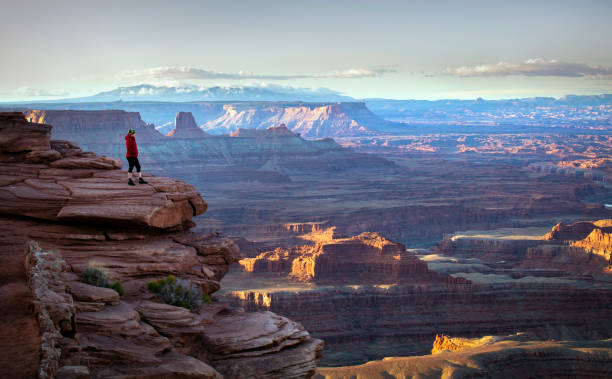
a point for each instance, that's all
(370, 322)
(501, 282)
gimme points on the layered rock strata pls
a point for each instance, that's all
(362, 323)
(547, 287)
(366, 258)
(95, 125)
(84, 214)
(579, 249)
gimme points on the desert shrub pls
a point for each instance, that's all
(118, 287)
(178, 292)
(206, 298)
(95, 277)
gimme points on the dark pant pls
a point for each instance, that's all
(133, 161)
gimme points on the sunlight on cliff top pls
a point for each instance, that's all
(529, 233)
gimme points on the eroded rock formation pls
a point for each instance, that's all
(366, 258)
(545, 287)
(185, 127)
(82, 213)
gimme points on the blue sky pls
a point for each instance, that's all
(393, 49)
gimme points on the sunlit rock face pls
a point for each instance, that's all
(366, 258)
(490, 356)
(308, 119)
(81, 212)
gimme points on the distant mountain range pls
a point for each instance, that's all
(147, 92)
(326, 113)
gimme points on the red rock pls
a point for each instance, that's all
(85, 292)
(17, 135)
(82, 212)
(43, 156)
(185, 127)
(366, 258)
(599, 242)
(575, 231)
(506, 358)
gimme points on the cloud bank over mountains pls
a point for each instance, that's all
(187, 72)
(532, 67)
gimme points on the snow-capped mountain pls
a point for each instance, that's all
(147, 92)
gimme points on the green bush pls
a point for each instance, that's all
(118, 287)
(178, 292)
(206, 298)
(96, 277)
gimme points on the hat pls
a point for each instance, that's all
(131, 131)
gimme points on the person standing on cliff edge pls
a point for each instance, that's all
(132, 157)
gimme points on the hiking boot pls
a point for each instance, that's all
(130, 182)
(142, 181)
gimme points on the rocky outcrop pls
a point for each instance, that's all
(52, 302)
(70, 185)
(444, 343)
(575, 231)
(19, 136)
(599, 242)
(366, 258)
(185, 127)
(82, 215)
(503, 357)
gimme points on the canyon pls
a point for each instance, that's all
(410, 193)
(64, 210)
(377, 243)
(483, 283)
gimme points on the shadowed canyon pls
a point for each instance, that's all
(311, 222)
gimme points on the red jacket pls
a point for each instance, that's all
(130, 144)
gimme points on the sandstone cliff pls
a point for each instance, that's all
(81, 212)
(366, 258)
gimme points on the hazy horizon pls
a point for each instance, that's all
(387, 49)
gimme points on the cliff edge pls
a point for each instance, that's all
(72, 210)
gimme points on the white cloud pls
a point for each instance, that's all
(26, 91)
(186, 72)
(532, 67)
